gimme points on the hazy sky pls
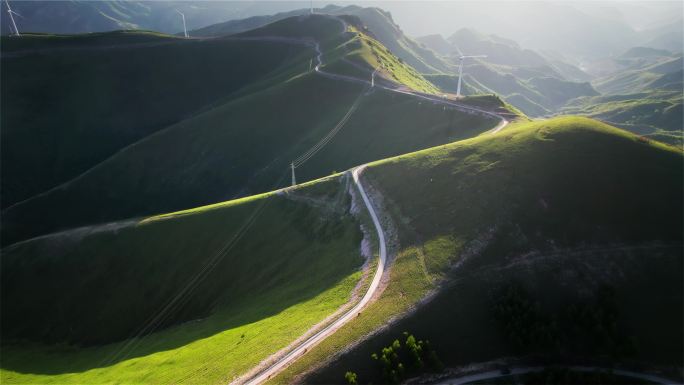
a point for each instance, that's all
(584, 28)
(427, 17)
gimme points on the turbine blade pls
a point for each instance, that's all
(459, 51)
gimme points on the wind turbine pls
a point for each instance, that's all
(461, 58)
(11, 15)
(373, 76)
(382, 65)
(185, 30)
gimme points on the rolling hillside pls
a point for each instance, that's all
(152, 231)
(61, 16)
(526, 79)
(376, 22)
(639, 90)
(645, 99)
(198, 293)
(207, 293)
(232, 148)
(637, 78)
(52, 136)
(535, 84)
(564, 213)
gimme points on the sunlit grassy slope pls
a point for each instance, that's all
(382, 28)
(71, 302)
(372, 53)
(357, 45)
(69, 102)
(244, 145)
(564, 206)
(374, 21)
(646, 101)
(656, 114)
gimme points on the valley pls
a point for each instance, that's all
(301, 195)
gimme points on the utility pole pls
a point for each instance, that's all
(294, 181)
(373, 74)
(11, 14)
(460, 76)
(185, 30)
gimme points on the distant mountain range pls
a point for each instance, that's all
(153, 230)
(579, 29)
(100, 16)
(539, 82)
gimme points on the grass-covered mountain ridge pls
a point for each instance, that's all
(99, 182)
(150, 233)
(570, 224)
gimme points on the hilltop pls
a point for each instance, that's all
(646, 98)
(378, 23)
(39, 68)
(108, 15)
(567, 211)
(639, 90)
(216, 288)
(433, 58)
(536, 84)
(212, 148)
(198, 292)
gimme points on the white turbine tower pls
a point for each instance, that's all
(373, 76)
(11, 14)
(382, 65)
(461, 58)
(311, 10)
(185, 30)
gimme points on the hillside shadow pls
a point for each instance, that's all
(59, 359)
(292, 255)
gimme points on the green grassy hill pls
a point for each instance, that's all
(383, 28)
(210, 292)
(656, 114)
(376, 22)
(506, 53)
(497, 49)
(564, 222)
(638, 80)
(52, 135)
(242, 145)
(645, 101)
(536, 84)
(437, 43)
(108, 15)
(536, 96)
(557, 92)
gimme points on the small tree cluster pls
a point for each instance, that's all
(396, 361)
(351, 378)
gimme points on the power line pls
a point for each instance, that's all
(184, 295)
(326, 139)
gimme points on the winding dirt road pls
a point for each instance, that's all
(301, 349)
(346, 317)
